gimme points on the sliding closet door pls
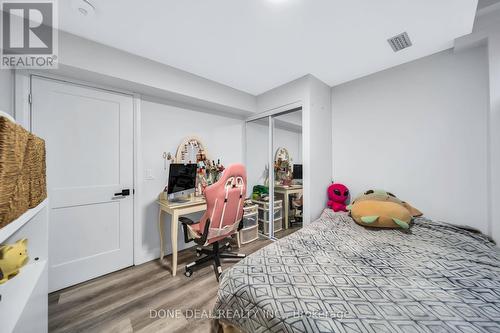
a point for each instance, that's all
(260, 170)
(288, 183)
(89, 139)
(274, 162)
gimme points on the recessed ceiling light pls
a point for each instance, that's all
(84, 7)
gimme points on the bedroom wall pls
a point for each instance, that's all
(7, 91)
(292, 141)
(494, 131)
(487, 32)
(163, 128)
(419, 130)
(318, 145)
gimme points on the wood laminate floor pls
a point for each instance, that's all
(126, 301)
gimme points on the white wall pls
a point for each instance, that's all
(487, 31)
(318, 146)
(163, 128)
(7, 91)
(494, 131)
(292, 141)
(291, 92)
(256, 153)
(419, 130)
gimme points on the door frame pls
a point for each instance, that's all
(22, 114)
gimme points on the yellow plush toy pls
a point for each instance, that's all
(12, 258)
(381, 209)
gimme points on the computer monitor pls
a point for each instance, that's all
(181, 181)
(297, 171)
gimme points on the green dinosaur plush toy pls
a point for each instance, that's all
(382, 209)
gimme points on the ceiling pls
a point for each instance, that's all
(256, 45)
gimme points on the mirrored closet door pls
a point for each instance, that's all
(259, 177)
(274, 174)
(287, 160)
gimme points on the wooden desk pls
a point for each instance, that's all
(174, 209)
(286, 191)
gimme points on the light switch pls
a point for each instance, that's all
(148, 174)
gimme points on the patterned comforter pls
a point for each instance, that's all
(337, 276)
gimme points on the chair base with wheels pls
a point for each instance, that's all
(216, 254)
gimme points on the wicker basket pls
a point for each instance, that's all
(22, 171)
(36, 165)
(14, 178)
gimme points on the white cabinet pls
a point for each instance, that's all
(24, 299)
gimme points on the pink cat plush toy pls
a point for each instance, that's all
(338, 195)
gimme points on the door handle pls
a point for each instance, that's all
(123, 193)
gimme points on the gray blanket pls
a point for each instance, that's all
(337, 276)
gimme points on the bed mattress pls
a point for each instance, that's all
(336, 276)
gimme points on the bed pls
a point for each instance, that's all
(336, 276)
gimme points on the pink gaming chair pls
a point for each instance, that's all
(221, 219)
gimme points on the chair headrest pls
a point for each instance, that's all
(235, 171)
(234, 176)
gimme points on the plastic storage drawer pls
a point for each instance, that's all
(264, 214)
(250, 214)
(264, 226)
(249, 221)
(248, 235)
(264, 210)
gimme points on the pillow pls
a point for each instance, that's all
(381, 214)
(382, 209)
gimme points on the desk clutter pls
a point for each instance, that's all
(282, 166)
(193, 152)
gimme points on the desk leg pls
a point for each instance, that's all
(175, 226)
(286, 208)
(161, 231)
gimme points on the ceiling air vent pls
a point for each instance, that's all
(399, 42)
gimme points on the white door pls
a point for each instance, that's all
(89, 140)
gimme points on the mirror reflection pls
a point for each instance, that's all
(288, 184)
(257, 163)
(277, 172)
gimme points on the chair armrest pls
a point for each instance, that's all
(185, 220)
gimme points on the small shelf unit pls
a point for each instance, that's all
(24, 298)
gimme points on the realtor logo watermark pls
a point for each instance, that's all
(29, 34)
